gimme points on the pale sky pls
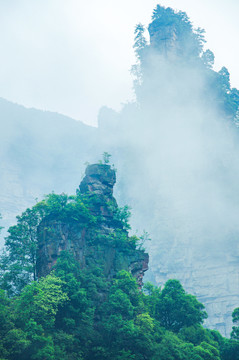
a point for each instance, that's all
(74, 56)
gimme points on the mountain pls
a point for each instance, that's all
(40, 152)
(56, 234)
(73, 289)
(176, 150)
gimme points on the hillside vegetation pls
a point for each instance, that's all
(85, 306)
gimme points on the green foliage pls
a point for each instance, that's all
(106, 157)
(173, 307)
(6, 324)
(229, 349)
(172, 348)
(81, 313)
(40, 301)
(195, 334)
(208, 58)
(77, 314)
(143, 239)
(18, 260)
(122, 216)
(70, 208)
(128, 285)
(152, 298)
(25, 319)
(235, 320)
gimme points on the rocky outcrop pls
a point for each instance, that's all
(100, 246)
(99, 181)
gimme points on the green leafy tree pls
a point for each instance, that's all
(6, 324)
(152, 299)
(229, 349)
(196, 334)
(106, 157)
(207, 351)
(174, 308)
(40, 301)
(139, 39)
(208, 58)
(28, 320)
(81, 289)
(235, 320)
(34, 313)
(173, 348)
(140, 44)
(125, 324)
(122, 216)
(18, 261)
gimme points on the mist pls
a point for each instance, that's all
(179, 171)
(52, 56)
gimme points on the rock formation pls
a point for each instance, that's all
(92, 245)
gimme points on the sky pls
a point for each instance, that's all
(75, 56)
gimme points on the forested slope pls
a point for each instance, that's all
(68, 299)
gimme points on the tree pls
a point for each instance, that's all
(78, 312)
(106, 157)
(40, 301)
(18, 261)
(208, 58)
(27, 321)
(139, 39)
(175, 309)
(235, 320)
(140, 44)
(229, 349)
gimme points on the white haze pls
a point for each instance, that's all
(74, 56)
(179, 171)
(189, 156)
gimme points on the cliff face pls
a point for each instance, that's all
(99, 245)
(213, 277)
(38, 151)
